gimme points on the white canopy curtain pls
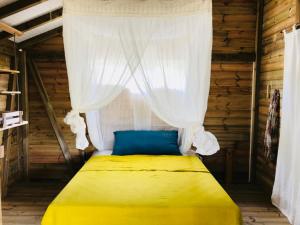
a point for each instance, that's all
(163, 45)
(128, 111)
(286, 190)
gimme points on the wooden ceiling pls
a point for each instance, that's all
(32, 17)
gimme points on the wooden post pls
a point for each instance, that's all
(25, 109)
(297, 12)
(0, 204)
(255, 103)
(7, 134)
(229, 167)
(50, 112)
(0, 207)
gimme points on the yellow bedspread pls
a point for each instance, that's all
(143, 190)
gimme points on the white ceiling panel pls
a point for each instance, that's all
(57, 22)
(32, 12)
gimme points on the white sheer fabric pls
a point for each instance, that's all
(286, 190)
(173, 74)
(126, 112)
(165, 46)
(97, 71)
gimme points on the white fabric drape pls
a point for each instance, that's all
(173, 74)
(286, 191)
(97, 71)
(164, 46)
(126, 112)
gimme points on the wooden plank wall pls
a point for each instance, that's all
(14, 162)
(278, 15)
(228, 115)
(4, 63)
(46, 158)
(229, 102)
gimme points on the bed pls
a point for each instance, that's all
(143, 190)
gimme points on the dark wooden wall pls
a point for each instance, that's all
(229, 105)
(278, 15)
(14, 160)
(228, 115)
(46, 158)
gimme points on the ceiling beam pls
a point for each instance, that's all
(40, 38)
(17, 7)
(10, 30)
(216, 57)
(255, 114)
(35, 22)
(234, 57)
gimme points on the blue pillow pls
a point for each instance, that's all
(144, 142)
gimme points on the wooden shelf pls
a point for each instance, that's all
(14, 125)
(10, 92)
(8, 71)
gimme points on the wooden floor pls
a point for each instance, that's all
(26, 203)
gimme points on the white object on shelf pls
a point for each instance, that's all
(14, 125)
(10, 92)
(11, 118)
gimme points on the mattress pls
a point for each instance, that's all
(102, 152)
(143, 190)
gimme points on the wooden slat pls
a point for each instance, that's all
(25, 108)
(10, 92)
(238, 57)
(254, 129)
(8, 71)
(50, 112)
(10, 104)
(10, 29)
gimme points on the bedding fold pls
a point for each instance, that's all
(145, 163)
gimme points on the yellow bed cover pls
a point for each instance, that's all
(143, 190)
